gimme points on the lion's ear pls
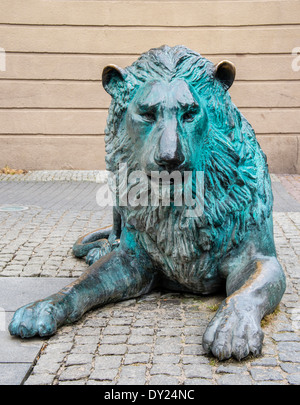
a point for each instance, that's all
(111, 76)
(225, 73)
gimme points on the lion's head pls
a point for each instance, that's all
(171, 111)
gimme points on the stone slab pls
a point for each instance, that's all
(13, 373)
(17, 355)
(16, 350)
(18, 291)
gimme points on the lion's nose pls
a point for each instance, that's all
(169, 153)
(169, 160)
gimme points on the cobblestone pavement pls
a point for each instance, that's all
(155, 339)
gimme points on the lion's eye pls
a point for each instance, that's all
(149, 116)
(189, 116)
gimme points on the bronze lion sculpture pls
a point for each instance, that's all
(171, 112)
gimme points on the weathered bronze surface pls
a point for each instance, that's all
(171, 112)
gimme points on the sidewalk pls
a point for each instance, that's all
(155, 339)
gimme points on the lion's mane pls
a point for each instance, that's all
(237, 186)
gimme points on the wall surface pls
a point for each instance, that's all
(52, 105)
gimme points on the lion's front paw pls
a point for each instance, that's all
(233, 332)
(38, 318)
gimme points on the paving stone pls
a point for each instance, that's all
(169, 332)
(165, 323)
(163, 368)
(163, 380)
(166, 348)
(135, 349)
(137, 380)
(267, 362)
(286, 337)
(75, 382)
(231, 369)
(137, 340)
(193, 349)
(171, 340)
(83, 349)
(95, 321)
(166, 359)
(195, 360)
(190, 330)
(133, 372)
(75, 372)
(285, 327)
(234, 379)
(117, 330)
(107, 362)
(136, 358)
(88, 331)
(197, 371)
(265, 374)
(142, 331)
(40, 379)
(99, 382)
(13, 373)
(104, 374)
(289, 346)
(47, 365)
(87, 340)
(58, 347)
(293, 357)
(192, 339)
(198, 381)
(281, 382)
(294, 379)
(76, 359)
(290, 368)
(120, 321)
(112, 349)
(114, 339)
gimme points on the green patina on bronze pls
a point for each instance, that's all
(171, 110)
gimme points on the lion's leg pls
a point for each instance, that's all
(115, 277)
(252, 292)
(98, 243)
